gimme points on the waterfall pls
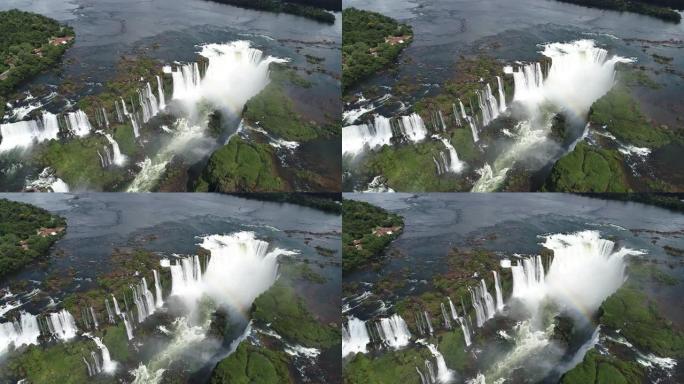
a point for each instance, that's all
(453, 164)
(502, 95)
(62, 325)
(104, 116)
(445, 316)
(499, 296)
(444, 374)
(119, 159)
(186, 275)
(461, 322)
(245, 258)
(528, 278)
(92, 315)
(90, 369)
(428, 323)
(77, 123)
(148, 103)
(489, 107)
(132, 117)
(355, 337)
(107, 365)
(477, 305)
(375, 134)
(23, 134)
(110, 313)
(423, 379)
(528, 80)
(160, 93)
(186, 80)
(23, 332)
(159, 302)
(413, 128)
(144, 301)
(116, 306)
(490, 309)
(430, 369)
(394, 332)
(127, 324)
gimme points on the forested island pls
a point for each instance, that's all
(312, 9)
(366, 231)
(370, 42)
(30, 44)
(661, 9)
(26, 234)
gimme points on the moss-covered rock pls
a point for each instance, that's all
(249, 365)
(620, 114)
(241, 166)
(274, 111)
(288, 316)
(588, 169)
(598, 369)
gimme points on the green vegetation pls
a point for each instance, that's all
(240, 166)
(249, 364)
(588, 169)
(660, 9)
(631, 311)
(278, 6)
(60, 363)
(370, 42)
(412, 168)
(77, 163)
(390, 367)
(599, 369)
(366, 231)
(288, 316)
(620, 113)
(26, 234)
(272, 110)
(30, 44)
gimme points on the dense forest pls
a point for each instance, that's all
(30, 44)
(309, 9)
(366, 231)
(662, 9)
(370, 42)
(26, 234)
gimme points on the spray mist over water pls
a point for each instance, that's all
(580, 73)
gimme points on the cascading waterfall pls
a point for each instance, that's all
(24, 133)
(477, 305)
(144, 301)
(159, 299)
(118, 158)
(77, 123)
(61, 325)
(186, 275)
(116, 306)
(499, 296)
(453, 164)
(489, 107)
(412, 127)
(127, 324)
(428, 323)
(462, 322)
(252, 267)
(502, 95)
(490, 309)
(430, 370)
(355, 336)
(423, 379)
(394, 332)
(110, 312)
(25, 331)
(445, 317)
(186, 80)
(443, 374)
(375, 134)
(107, 365)
(579, 74)
(528, 278)
(160, 94)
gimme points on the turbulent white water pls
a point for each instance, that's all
(499, 296)
(62, 325)
(394, 332)
(25, 331)
(118, 158)
(580, 73)
(235, 72)
(47, 182)
(449, 162)
(159, 299)
(78, 124)
(239, 269)
(108, 365)
(355, 138)
(355, 336)
(443, 374)
(23, 134)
